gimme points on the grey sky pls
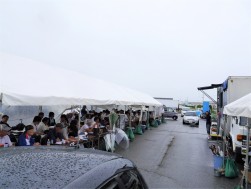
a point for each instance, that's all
(164, 48)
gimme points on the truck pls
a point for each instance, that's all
(231, 90)
(168, 102)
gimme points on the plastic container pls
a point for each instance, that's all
(218, 162)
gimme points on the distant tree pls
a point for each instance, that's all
(199, 106)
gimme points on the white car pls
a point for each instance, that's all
(191, 117)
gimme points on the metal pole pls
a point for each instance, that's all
(130, 117)
(224, 140)
(79, 115)
(246, 166)
(40, 109)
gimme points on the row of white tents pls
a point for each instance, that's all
(24, 82)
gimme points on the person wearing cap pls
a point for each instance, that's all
(27, 139)
(4, 138)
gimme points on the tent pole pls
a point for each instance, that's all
(141, 115)
(130, 117)
(246, 166)
(79, 115)
(40, 109)
(224, 140)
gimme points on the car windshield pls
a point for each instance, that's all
(190, 114)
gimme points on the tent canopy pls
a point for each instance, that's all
(26, 82)
(240, 107)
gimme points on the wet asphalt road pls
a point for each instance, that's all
(176, 156)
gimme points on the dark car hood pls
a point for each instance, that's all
(47, 167)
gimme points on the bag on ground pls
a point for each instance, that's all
(231, 170)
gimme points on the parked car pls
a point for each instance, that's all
(183, 111)
(66, 167)
(191, 117)
(170, 114)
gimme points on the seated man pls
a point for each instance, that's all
(4, 138)
(87, 127)
(55, 135)
(4, 122)
(43, 127)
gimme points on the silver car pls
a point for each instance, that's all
(191, 117)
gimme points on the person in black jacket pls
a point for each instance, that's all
(52, 121)
(55, 135)
(208, 123)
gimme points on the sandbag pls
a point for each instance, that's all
(154, 123)
(130, 134)
(231, 170)
(138, 130)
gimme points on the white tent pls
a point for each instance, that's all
(241, 108)
(27, 82)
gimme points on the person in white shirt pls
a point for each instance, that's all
(4, 138)
(43, 126)
(36, 122)
(65, 123)
(87, 127)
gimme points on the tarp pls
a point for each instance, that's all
(240, 107)
(24, 82)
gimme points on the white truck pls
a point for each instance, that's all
(232, 89)
(168, 102)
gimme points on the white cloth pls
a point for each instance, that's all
(28, 141)
(84, 127)
(5, 140)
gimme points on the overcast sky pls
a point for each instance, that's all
(165, 48)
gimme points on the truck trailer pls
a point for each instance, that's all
(233, 88)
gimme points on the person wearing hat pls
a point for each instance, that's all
(4, 138)
(27, 139)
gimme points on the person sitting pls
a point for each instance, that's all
(35, 122)
(73, 128)
(52, 121)
(4, 122)
(37, 135)
(105, 122)
(64, 122)
(87, 127)
(55, 135)
(4, 138)
(27, 139)
(72, 138)
(41, 115)
(43, 126)
(96, 123)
